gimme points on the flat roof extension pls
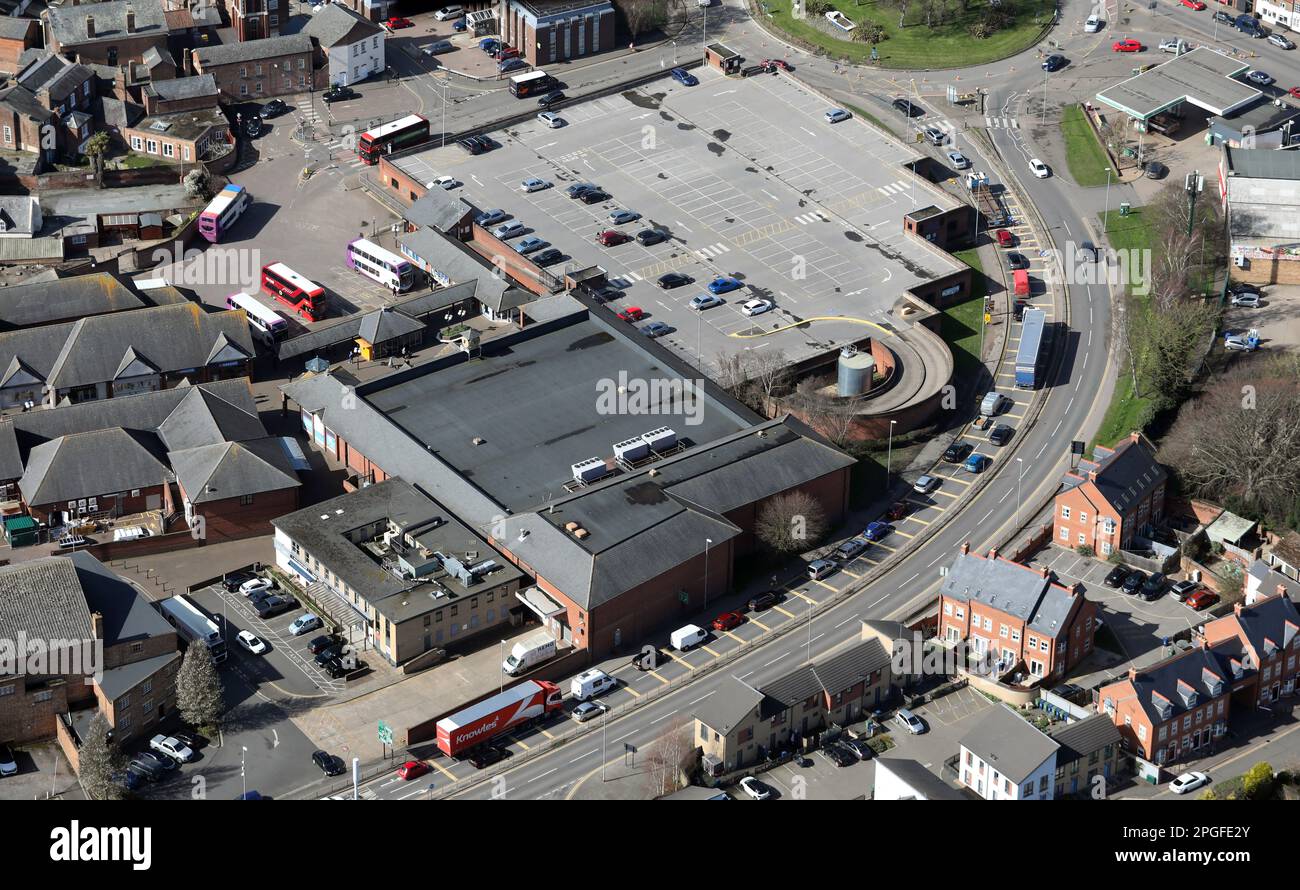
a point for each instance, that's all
(1203, 77)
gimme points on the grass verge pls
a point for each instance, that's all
(1084, 153)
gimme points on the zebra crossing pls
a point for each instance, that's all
(896, 187)
(1001, 123)
(713, 250)
(805, 219)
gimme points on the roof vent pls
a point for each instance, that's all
(581, 534)
(478, 440)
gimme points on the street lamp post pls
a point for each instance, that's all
(444, 86)
(1105, 218)
(604, 733)
(501, 651)
(242, 751)
(889, 457)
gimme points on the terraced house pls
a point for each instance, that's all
(1112, 499)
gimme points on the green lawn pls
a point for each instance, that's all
(960, 326)
(1125, 411)
(1084, 154)
(915, 45)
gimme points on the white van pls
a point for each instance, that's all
(134, 533)
(526, 653)
(993, 404)
(685, 637)
(449, 12)
(591, 683)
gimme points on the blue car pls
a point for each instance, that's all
(508, 65)
(684, 77)
(877, 531)
(458, 25)
(489, 44)
(976, 463)
(724, 285)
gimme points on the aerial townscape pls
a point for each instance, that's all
(650, 400)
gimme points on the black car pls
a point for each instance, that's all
(1224, 18)
(232, 581)
(548, 257)
(325, 656)
(274, 108)
(146, 768)
(253, 127)
(646, 237)
(1156, 170)
(321, 643)
(578, 189)
(471, 146)
(1017, 261)
(1153, 587)
(956, 452)
(1054, 63)
(1000, 434)
(328, 763)
(1133, 583)
(275, 605)
(1115, 577)
(840, 754)
(190, 739)
(257, 597)
(908, 107)
(335, 668)
(606, 292)
(765, 600)
(484, 143)
(338, 93)
(594, 196)
(158, 761)
(551, 98)
(486, 756)
(673, 279)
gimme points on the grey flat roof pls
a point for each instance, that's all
(532, 400)
(1261, 163)
(1202, 77)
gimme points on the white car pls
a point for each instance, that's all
(446, 183)
(1093, 24)
(534, 185)
(754, 788)
(925, 484)
(254, 585)
(551, 119)
(959, 161)
(1039, 168)
(8, 765)
(173, 748)
(756, 307)
(1189, 782)
(909, 721)
(250, 641)
(1259, 77)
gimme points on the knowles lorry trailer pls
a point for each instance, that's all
(474, 725)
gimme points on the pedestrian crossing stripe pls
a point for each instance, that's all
(1002, 123)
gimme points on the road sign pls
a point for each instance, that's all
(385, 733)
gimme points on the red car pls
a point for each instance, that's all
(632, 313)
(1005, 238)
(506, 52)
(1127, 45)
(398, 22)
(728, 620)
(897, 510)
(1193, 4)
(776, 63)
(412, 769)
(1294, 92)
(1202, 599)
(611, 237)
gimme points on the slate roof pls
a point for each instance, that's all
(22, 101)
(44, 302)
(1268, 626)
(14, 28)
(438, 209)
(253, 50)
(1269, 579)
(68, 22)
(460, 264)
(102, 348)
(116, 682)
(385, 324)
(728, 706)
(98, 462)
(232, 469)
(183, 88)
(1193, 669)
(1081, 738)
(1125, 475)
(1018, 590)
(204, 416)
(1009, 743)
(348, 329)
(19, 213)
(53, 73)
(337, 25)
(836, 673)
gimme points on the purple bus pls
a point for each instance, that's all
(383, 266)
(224, 210)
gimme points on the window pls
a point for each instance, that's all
(151, 146)
(1083, 517)
(169, 150)
(988, 623)
(136, 142)
(243, 70)
(1065, 533)
(1083, 539)
(1065, 512)
(245, 500)
(9, 134)
(243, 89)
(43, 695)
(1142, 733)
(124, 701)
(146, 687)
(185, 152)
(1015, 635)
(1106, 548)
(947, 608)
(1002, 631)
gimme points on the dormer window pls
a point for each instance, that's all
(1187, 694)
(1164, 707)
(1213, 682)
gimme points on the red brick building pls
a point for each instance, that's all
(557, 31)
(255, 19)
(1268, 633)
(1111, 499)
(1018, 616)
(17, 35)
(274, 66)
(110, 33)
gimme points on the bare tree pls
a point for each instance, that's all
(643, 15)
(668, 759)
(791, 523)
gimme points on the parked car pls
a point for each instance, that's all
(8, 765)
(657, 329)
(728, 620)
(254, 585)
(275, 605)
(765, 600)
(1224, 17)
(897, 510)
(1127, 45)
(1279, 41)
(412, 769)
(531, 244)
(909, 721)
(1189, 782)
(336, 668)
(551, 119)
(1259, 78)
(274, 108)
(1247, 301)
(673, 279)
(756, 307)
(1005, 238)
(338, 93)
(325, 656)
(839, 754)
(619, 217)
(1155, 170)
(908, 108)
(548, 257)
(328, 763)
(1115, 577)
(1133, 583)
(506, 231)
(706, 301)
(612, 238)
(321, 643)
(1193, 4)
(552, 98)
(233, 581)
(684, 77)
(303, 624)
(925, 484)
(835, 115)
(578, 189)
(724, 284)
(860, 748)
(491, 217)
(1001, 434)
(190, 739)
(533, 184)
(397, 22)
(508, 65)
(850, 549)
(150, 766)
(754, 789)
(587, 710)
(1017, 261)
(251, 642)
(1181, 590)
(934, 135)
(632, 313)
(958, 160)
(1093, 24)
(956, 452)
(1153, 587)
(877, 531)
(1202, 599)
(646, 237)
(820, 568)
(976, 463)
(172, 747)
(593, 196)
(485, 756)
(606, 293)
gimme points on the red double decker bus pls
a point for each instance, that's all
(393, 136)
(293, 290)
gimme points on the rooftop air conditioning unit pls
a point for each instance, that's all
(631, 449)
(589, 470)
(660, 439)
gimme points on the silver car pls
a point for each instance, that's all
(909, 721)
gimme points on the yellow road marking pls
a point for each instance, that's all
(783, 612)
(807, 321)
(655, 674)
(762, 625)
(526, 747)
(710, 651)
(635, 694)
(442, 769)
(914, 519)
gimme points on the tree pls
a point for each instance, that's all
(643, 15)
(791, 523)
(198, 183)
(1233, 580)
(669, 757)
(1258, 782)
(99, 761)
(96, 147)
(198, 688)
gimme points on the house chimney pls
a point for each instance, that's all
(97, 625)
(90, 26)
(1281, 589)
(1075, 589)
(1092, 475)
(993, 553)
(1045, 572)
(1132, 674)
(965, 548)
(130, 20)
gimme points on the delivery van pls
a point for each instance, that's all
(526, 653)
(591, 683)
(685, 637)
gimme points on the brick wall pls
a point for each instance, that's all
(229, 519)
